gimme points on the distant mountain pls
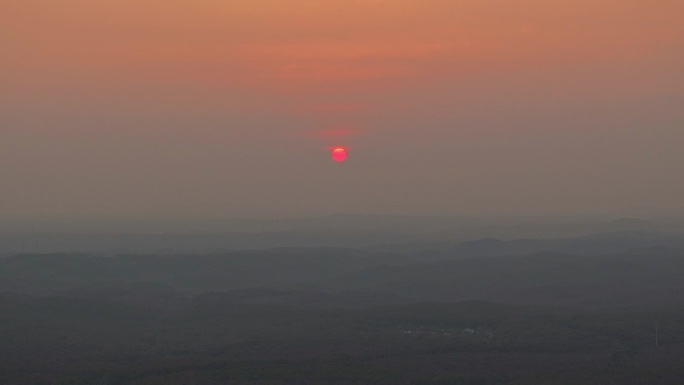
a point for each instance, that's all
(392, 233)
(285, 267)
(499, 271)
(587, 245)
(644, 277)
(635, 224)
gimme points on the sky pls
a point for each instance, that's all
(208, 108)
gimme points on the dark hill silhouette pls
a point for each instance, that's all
(587, 245)
(484, 312)
(314, 275)
(644, 276)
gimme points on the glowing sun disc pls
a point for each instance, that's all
(339, 154)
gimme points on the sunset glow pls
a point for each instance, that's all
(488, 94)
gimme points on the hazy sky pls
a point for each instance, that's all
(208, 108)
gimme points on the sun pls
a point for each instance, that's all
(339, 154)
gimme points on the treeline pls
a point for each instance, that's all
(74, 341)
(342, 316)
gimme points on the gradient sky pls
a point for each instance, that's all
(208, 108)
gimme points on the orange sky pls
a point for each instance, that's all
(314, 73)
(298, 45)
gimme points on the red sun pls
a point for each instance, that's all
(339, 154)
